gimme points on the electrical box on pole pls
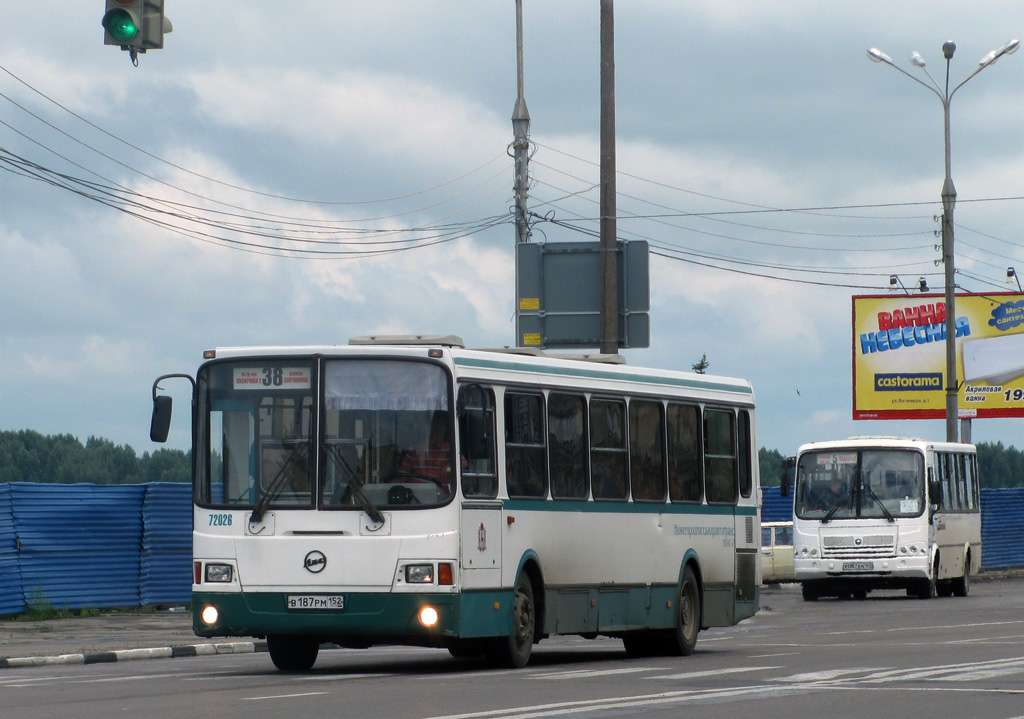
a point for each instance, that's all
(559, 298)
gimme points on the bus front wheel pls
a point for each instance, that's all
(293, 653)
(929, 588)
(514, 650)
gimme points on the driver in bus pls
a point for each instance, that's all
(832, 496)
(432, 460)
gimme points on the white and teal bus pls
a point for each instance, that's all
(886, 513)
(407, 490)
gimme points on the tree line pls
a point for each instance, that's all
(28, 456)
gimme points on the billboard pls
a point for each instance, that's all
(899, 356)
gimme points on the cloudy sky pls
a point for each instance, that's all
(302, 172)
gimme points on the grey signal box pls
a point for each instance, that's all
(559, 295)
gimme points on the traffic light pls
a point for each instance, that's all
(136, 25)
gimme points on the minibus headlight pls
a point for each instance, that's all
(419, 574)
(222, 573)
(209, 615)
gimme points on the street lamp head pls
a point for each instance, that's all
(1008, 49)
(916, 59)
(876, 55)
(948, 48)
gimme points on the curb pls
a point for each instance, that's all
(126, 655)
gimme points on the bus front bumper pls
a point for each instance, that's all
(371, 617)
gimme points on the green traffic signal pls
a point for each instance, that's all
(120, 25)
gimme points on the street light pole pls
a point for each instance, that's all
(948, 203)
(520, 148)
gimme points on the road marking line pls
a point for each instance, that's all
(282, 696)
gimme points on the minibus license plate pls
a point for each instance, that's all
(334, 602)
(858, 566)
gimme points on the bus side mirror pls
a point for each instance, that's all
(784, 484)
(160, 424)
(934, 492)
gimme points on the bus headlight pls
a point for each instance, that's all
(428, 616)
(222, 573)
(419, 574)
(209, 615)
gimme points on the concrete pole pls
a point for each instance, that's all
(609, 259)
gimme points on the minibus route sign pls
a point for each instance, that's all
(837, 458)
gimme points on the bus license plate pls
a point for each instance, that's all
(330, 602)
(858, 566)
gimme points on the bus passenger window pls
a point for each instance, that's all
(525, 453)
(685, 471)
(720, 455)
(646, 453)
(567, 446)
(476, 441)
(608, 454)
(746, 455)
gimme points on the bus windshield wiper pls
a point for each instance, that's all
(356, 486)
(886, 512)
(277, 484)
(837, 505)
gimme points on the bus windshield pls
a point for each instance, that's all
(384, 426)
(846, 484)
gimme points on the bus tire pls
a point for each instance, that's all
(293, 653)
(643, 644)
(810, 594)
(929, 588)
(683, 638)
(962, 585)
(466, 648)
(513, 651)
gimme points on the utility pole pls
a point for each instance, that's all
(521, 154)
(521, 132)
(609, 259)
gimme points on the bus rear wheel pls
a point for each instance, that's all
(962, 585)
(293, 653)
(514, 650)
(682, 640)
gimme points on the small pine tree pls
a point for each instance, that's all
(701, 366)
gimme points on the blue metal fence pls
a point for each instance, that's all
(166, 560)
(75, 546)
(12, 595)
(1002, 523)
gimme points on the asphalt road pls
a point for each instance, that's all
(886, 656)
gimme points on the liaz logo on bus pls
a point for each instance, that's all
(314, 562)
